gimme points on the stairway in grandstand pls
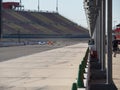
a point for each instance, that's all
(39, 24)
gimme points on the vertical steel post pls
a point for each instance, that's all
(97, 27)
(0, 19)
(103, 34)
(98, 36)
(109, 42)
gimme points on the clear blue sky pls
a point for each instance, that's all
(71, 9)
(116, 12)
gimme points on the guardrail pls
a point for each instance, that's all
(83, 71)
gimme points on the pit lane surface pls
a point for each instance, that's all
(36, 67)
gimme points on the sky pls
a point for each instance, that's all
(71, 9)
(116, 12)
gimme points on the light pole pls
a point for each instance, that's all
(20, 1)
(57, 6)
(20, 6)
(38, 6)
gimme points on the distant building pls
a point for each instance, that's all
(12, 5)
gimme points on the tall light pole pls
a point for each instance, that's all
(38, 6)
(20, 1)
(20, 5)
(57, 6)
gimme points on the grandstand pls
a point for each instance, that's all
(29, 24)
